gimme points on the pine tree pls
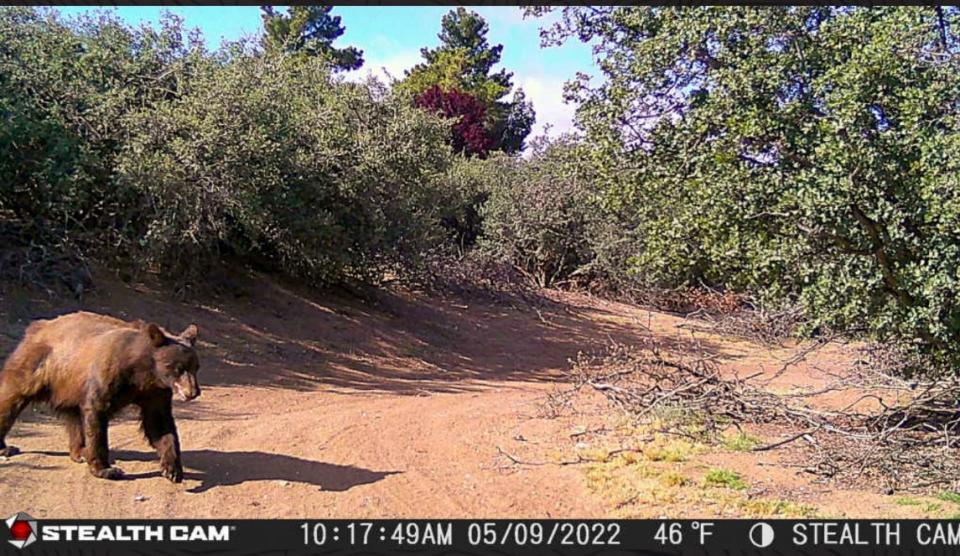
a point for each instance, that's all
(310, 30)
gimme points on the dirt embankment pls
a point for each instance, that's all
(414, 406)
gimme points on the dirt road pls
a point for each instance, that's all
(319, 406)
(329, 408)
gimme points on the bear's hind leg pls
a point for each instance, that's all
(74, 426)
(12, 403)
(17, 387)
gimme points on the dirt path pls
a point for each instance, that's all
(328, 408)
(317, 406)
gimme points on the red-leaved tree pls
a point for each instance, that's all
(469, 134)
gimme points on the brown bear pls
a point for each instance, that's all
(88, 367)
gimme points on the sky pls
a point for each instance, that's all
(391, 38)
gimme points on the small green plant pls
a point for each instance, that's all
(952, 497)
(724, 478)
(907, 501)
(932, 507)
(740, 442)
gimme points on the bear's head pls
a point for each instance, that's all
(175, 361)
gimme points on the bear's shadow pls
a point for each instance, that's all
(214, 468)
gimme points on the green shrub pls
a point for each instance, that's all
(66, 86)
(150, 152)
(270, 158)
(806, 154)
(538, 221)
(466, 188)
(948, 496)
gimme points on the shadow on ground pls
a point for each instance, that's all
(277, 335)
(214, 468)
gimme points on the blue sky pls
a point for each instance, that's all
(391, 38)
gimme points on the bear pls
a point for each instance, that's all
(88, 367)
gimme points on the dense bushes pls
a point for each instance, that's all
(151, 152)
(269, 158)
(64, 91)
(548, 221)
(807, 154)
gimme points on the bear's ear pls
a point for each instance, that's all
(190, 334)
(153, 332)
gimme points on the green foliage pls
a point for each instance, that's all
(724, 478)
(541, 218)
(464, 33)
(271, 159)
(149, 152)
(65, 88)
(467, 187)
(807, 154)
(462, 29)
(450, 69)
(952, 497)
(464, 62)
(310, 30)
(740, 442)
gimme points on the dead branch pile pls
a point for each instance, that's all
(768, 327)
(700, 300)
(726, 312)
(645, 382)
(897, 433)
(474, 276)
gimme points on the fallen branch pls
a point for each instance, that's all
(896, 432)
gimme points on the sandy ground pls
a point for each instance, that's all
(317, 405)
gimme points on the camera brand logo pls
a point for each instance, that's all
(23, 529)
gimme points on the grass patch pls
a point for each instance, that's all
(673, 479)
(669, 450)
(932, 507)
(725, 478)
(595, 455)
(907, 501)
(766, 507)
(599, 475)
(740, 442)
(952, 497)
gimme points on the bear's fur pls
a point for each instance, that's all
(88, 367)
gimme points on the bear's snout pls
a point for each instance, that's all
(186, 389)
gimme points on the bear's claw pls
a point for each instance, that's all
(174, 475)
(109, 473)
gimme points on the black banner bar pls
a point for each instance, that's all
(25, 535)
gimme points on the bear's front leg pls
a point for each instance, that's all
(161, 432)
(74, 425)
(96, 450)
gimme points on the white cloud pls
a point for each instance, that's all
(384, 68)
(504, 15)
(546, 93)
